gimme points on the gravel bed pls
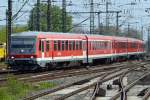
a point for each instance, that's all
(67, 80)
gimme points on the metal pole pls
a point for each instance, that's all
(91, 17)
(32, 21)
(107, 17)
(49, 15)
(117, 23)
(101, 30)
(142, 33)
(148, 39)
(6, 35)
(9, 26)
(128, 30)
(38, 16)
(64, 16)
(99, 23)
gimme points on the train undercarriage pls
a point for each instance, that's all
(28, 65)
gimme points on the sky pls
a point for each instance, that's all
(136, 15)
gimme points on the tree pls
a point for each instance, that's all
(110, 31)
(133, 33)
(56, 22)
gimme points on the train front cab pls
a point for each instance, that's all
(23, 53)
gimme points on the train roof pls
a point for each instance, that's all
(36, 33)
(79, 35)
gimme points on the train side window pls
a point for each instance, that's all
(98, 45)
(73, 45)
(105, 45)
(102, 45)
(89, 45)
(70, 45)
(93, 45)
(63, 45)
(77, 45)
(55, 45)
(80, 45)
(59, 45)
(40, 45)
(47, 45)
(133, 45)
(66, 45)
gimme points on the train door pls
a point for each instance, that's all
(43, 48)
(85, 50)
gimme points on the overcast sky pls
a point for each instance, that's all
(130, 13)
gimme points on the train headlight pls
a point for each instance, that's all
(32, 57)
(12, 57)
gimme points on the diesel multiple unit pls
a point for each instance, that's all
(33, 50)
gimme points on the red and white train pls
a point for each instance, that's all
(33, 50)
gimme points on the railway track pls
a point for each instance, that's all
(37, 77)
(70, 73)
(42, 93)
(128, 87)
(103, 74)
(2, 72)
(14, 72)
(34, 74)
(147, 95)
(61, 74)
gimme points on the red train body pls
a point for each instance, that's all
(32, 50)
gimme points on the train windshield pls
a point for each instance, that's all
(23, 45)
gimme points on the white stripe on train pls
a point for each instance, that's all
(90, 56)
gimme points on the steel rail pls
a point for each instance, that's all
(123, 93)
(69, 74)
(130, 86)
(91, 85)
(43, 74)
(56, 75)
(50, 76)
(97, 86)
(147, 95)
(7, 71)
(45, 92)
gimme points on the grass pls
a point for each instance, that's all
(44, 85)
(15, 90)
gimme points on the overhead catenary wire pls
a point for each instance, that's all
(15, 15)
(79, 23)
